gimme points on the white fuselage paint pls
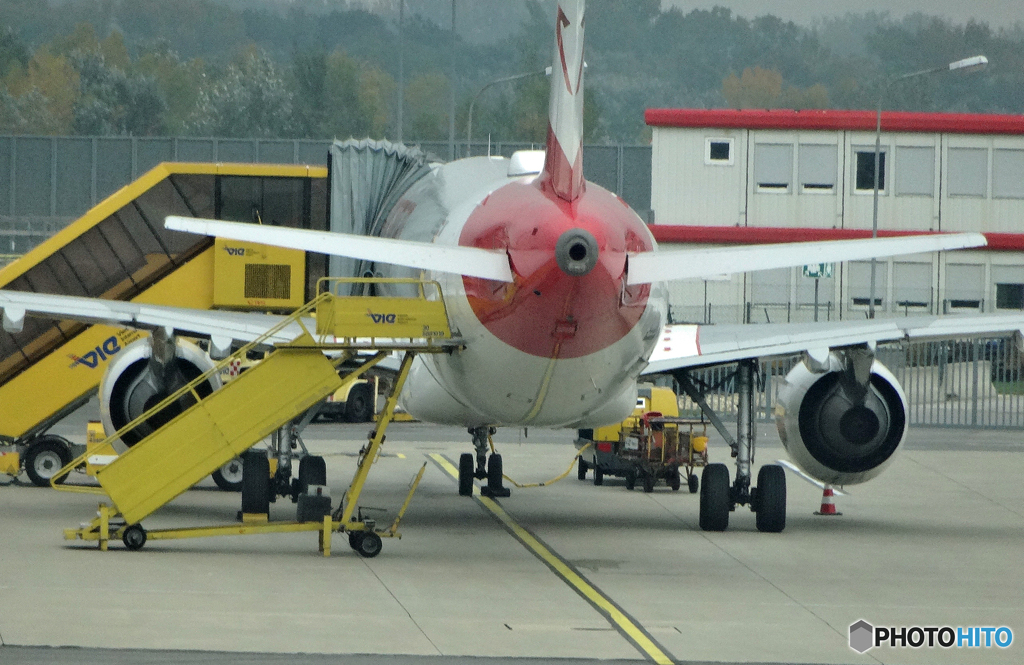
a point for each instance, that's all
(490, 382)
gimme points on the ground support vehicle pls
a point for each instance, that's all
(659, 447)
(286, 387)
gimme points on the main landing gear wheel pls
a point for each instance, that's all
(255, 483)
(714, 498)
(771, 499)
(134, 537)
(581, 470)
(366, 543)
(495, 476)
(465, 475)
(45, 458)
(312, 471)
(229, 476)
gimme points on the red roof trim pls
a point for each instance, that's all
(762, 235)
(836, 120)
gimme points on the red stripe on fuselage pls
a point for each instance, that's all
(546, 312)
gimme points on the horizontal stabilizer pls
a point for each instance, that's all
(469, 261)
(674, 264)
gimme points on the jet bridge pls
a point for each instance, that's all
(120, 250)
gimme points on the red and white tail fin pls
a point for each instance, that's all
(563, 165)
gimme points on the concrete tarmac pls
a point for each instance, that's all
(935, 541)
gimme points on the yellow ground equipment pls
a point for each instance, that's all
(290, 381)
(635, 448)
(120, 250)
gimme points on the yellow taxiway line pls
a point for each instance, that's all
(621, 621)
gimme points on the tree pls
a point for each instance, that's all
(112, 102)
(426, 101)
(251, 99)
(46, 91)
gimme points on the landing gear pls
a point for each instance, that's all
(229, 476)
(489, 468)
(717, 497)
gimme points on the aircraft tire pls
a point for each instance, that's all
(359, 405)
(255, 483)
(494, 471)
(466, 474)
(714, 498)
(771, 499)
(312, 471)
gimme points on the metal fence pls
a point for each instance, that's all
(977, 383)
(48, 182)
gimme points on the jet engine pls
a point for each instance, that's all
(144, 374)
(840, 430)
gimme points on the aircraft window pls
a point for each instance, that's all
(718, 151)
(818, 167)
(865, 176)
(773, 167)
(1008, 174)
(968, 171)
(915, 171)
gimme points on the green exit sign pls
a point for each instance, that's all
(818, 270)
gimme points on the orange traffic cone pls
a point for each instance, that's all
(827, 505)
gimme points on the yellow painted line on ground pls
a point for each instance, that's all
(621, 621)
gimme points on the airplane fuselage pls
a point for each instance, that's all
(563, 344)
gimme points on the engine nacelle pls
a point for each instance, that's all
(831, 438)
(135, 382)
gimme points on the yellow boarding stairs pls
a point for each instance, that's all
(292, 379)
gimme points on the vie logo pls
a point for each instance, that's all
(109, 347)
(382, 317)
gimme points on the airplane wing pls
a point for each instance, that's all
(682, 346)
(471, 261)
(221, 327)
(646, 267)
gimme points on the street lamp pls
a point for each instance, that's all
(469, 121)
(966, 66)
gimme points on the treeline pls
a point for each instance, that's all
(331, 68)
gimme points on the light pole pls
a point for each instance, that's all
(505, 79)
(967, 65)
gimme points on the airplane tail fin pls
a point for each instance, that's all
(563, 165)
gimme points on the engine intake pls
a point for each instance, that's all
(136, 381)
(832, 435)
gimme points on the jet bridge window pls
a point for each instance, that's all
(773, 167)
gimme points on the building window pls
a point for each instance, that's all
(818, 168)
(915, 171)
(965, 286)
(1009, 296)
(912, 285)
(773, 167)
(718, 151)
(860, 282)
(865, 180)
(1008, 174)
(968, 172)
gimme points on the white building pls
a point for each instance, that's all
(726, 176)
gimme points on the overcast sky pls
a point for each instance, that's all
(997, 13)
